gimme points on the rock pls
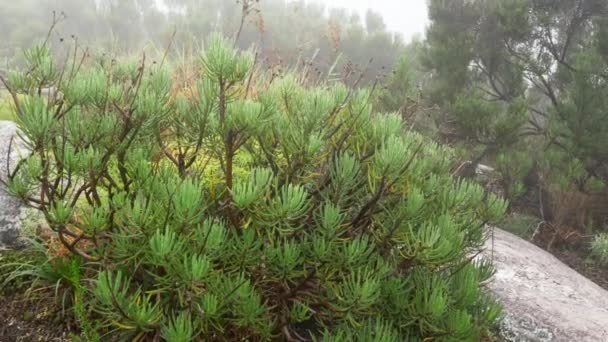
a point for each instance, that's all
(543, 299)
(51, 93)
(469, 169)
(482, 169)
(12, 211)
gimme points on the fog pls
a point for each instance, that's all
(285, 30)
(408, 17)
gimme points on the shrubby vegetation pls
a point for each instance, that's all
(228, 203)
(510, 66)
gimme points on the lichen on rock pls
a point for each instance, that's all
(524, 329)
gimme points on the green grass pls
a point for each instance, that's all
(13, 261)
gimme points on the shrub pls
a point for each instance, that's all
(231, 207)
(599, 249)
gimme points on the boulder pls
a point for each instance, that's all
(543, 299)
(12, 211)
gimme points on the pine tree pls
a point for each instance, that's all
(521, 75)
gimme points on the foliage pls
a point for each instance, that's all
(488, 122)
(322, 219)
(402, 91)
(11, 261)
(528, 80)
(599, 249)
(513, 168)
(29, 271)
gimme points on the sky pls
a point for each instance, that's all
(406, 16)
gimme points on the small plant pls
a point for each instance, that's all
(599, 249)
(229, 208)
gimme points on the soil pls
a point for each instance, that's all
(22, 319)
(33, 316)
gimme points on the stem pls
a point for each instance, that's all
(245, 10)
(229, 161)
(222, 103)
(228, 138)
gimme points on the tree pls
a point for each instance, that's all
(401, 92)
(230, 207)
(528, 72)
(374, 22)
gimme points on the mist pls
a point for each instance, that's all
(285, 31)
(409, 18)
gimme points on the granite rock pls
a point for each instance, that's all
(543, 299)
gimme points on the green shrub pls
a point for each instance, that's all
(232, 208)
(599, 249)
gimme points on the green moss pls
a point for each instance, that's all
(6, 112)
